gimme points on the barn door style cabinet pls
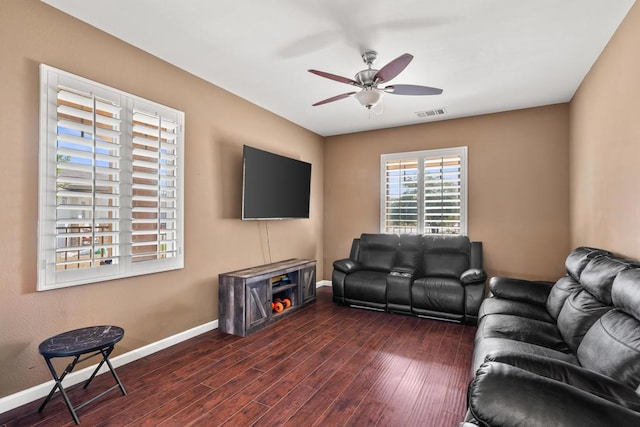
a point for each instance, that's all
(251, 299)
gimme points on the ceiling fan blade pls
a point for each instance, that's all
(334, 98)
(335, 77)
(412, 90)
(393, 68)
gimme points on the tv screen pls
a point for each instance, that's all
(274, 186)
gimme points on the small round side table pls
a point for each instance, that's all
(92, 341)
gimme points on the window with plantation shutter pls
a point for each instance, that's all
(110, 192)
(154, 191)
(424, 192)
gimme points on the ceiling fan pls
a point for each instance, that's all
(368, 81)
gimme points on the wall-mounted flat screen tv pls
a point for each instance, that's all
(274, 186)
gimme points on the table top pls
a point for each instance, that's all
(280, 267)
(80, 341)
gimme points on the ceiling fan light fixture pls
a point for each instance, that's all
(370, 94)
(369, 97)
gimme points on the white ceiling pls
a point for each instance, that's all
(487, 55)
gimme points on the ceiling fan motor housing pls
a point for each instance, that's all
(365, 77)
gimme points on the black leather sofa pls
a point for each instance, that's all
(431, 276)
(563, 354)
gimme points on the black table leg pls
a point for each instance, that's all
(95, 371)
(58, 385)
(105, 352)
(105, 358)
(113, 372)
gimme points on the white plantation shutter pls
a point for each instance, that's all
(87, 182)
(110, 197)
(424, 192)
(154, 188)
(443, 194)
(401, 195)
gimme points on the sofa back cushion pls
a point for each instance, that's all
(563, 289)
(612, 345)
(378, 251)
(579, 258)
(569, 284)
(446, 256)
(583, 308)
(578, 313)
(598, 275)
(410, 253)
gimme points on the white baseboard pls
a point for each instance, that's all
(322, 283)
(20, 398)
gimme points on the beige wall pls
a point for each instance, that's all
(605, 147)
(518, 186)
(217, 124)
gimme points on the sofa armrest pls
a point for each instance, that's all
(346, 265)
(572, 375)
(473, 275)
(520, 290)
(504, 395)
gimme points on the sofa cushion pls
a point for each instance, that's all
(410, 253)
(446, 256)
(378, 251)
(597, 277)
(612, 345)
(366, 285)
(579, 312)
(484, 347)
(521, 329)
(625, 292)
(579, 258)
(563, 289)
(439, 294)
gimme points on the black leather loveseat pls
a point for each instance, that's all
(563, 354)
(432, 276)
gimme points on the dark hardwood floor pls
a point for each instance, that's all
(325, 365)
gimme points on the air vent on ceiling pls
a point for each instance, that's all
(431, 113)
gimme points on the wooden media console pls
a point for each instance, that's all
(246, 297)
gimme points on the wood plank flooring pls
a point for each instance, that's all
(326, 365)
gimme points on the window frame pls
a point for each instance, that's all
(50, 276)
(420, 156)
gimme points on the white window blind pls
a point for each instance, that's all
(424, 192)
(401, 196)
(442, 194)
(110, 196)
(87, 181)
(154, 191)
